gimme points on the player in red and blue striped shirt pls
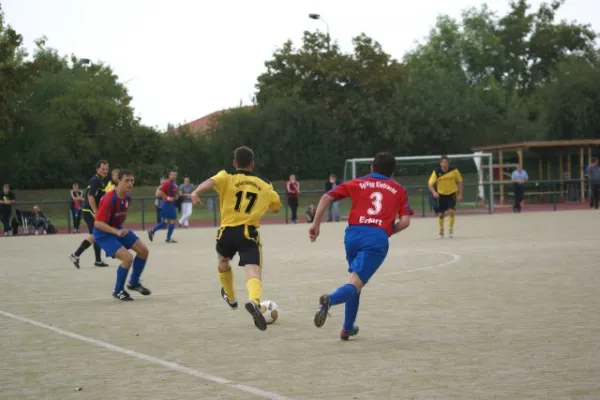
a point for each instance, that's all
(168, 212)
(377, 201)
(116, 241)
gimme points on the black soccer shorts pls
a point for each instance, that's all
(446, 202)
(243, 240)
(89, 219)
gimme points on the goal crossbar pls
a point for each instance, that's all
(473, 156)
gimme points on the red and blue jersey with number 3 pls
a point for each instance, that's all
(376, 201)
(113, 209)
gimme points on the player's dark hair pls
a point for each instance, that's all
(100, 163)
(442, 158)
(125, 172)
(384, 164)
(243, 156)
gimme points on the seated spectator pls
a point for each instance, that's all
(38, 220)
(310, 212)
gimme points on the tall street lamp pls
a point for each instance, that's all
(318, 17)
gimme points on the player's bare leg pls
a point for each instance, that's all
(139, 262)
(254, 285)
(226, 278)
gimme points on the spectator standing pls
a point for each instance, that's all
(76, 205)
(185, 194)
(593, 173)
(519, 178)
(292, 188)
(334, 207)
(7, 199)
(38, 220)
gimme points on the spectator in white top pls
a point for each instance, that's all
(185, 193)
(519, 178)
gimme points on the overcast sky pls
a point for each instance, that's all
(183, 59)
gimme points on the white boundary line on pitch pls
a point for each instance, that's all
(145, 357)
(454, 258)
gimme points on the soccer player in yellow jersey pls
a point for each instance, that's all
(447, 191)
(244, 198)
(114, 180)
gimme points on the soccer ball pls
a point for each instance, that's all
(269, 310)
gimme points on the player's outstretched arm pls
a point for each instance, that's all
(431, 182)
(204, 187)
(314, 230)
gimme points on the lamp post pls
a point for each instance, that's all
(318, 17)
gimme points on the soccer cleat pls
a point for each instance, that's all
(100, 264)
(232, 304)
(122, 295)
(451, 234)
(150, 235)
(139, 288)
(321, 315)
(259, 319)
(170, 241)
(345, 335)
(75, 260)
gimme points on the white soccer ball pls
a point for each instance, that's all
(269, 310)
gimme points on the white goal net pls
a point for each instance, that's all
(414, 172)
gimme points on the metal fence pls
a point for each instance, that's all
(549, 194)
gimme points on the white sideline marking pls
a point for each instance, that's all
(141, 356)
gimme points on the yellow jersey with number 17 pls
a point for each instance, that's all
(244, 198)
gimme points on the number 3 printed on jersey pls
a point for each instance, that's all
(377, 198)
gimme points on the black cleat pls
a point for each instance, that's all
(259, 319)
(122, 295)
(150, 235)
(232, 304)
(139, 288)
(345, 335)
(75, 260)
(321, 315)
(100, 264)
(170, 241)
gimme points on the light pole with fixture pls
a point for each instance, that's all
(318, 17)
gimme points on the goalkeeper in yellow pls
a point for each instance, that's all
(244, 198)
(446, 186)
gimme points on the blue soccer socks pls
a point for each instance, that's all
(138, 268)
(159, 226)
(170, 230)
(343, 294)
(351, 312)
(121, 278)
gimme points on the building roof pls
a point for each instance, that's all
(201, 124)
(539, 144)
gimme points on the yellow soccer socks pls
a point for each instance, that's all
(226, 279)
(254, 286)
(451, 222)
(441, 222)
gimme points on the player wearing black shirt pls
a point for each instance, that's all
(93, 194)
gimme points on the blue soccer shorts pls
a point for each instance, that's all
(366, 249)
(112, 243)
(168, 210)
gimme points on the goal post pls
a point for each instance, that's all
(413, 172)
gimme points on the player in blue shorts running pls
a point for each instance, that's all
(168, 212)
(116, 241)
(377, 199)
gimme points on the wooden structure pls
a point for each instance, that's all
(559, 150)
